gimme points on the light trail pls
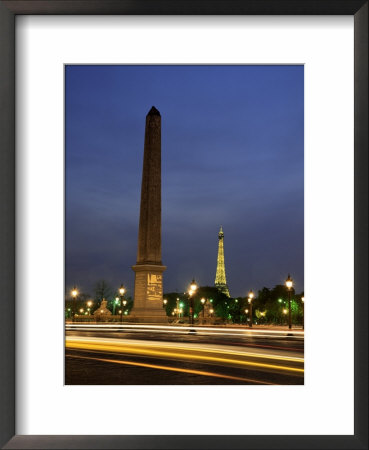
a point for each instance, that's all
(228, 350)
(223, 331)
(172, 369)
(205, 354)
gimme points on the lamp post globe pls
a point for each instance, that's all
(289, 282)
(193, 286)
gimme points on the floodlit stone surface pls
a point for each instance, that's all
(148, 296)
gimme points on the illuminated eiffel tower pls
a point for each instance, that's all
(220, 277)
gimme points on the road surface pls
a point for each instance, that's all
(169, 355)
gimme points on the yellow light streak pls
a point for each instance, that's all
(178, 353)
(172, 369)
(187, 347)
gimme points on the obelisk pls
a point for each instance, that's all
(148, 295)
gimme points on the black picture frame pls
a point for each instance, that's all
(8, 12)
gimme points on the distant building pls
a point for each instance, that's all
(220, 277)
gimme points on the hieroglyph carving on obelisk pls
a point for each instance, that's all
(148, 296)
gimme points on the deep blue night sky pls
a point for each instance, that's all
(232, 155)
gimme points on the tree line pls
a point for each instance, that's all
(269, 306)
(102, 290)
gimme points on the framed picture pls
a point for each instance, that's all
(160, 310)
(49, 59)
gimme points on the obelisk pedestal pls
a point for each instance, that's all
(148, 296)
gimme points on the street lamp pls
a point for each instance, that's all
(289, 284)
(165, 301)
(121, 293)
(251, 296)
(303, 311)
(192, 290)
(74, 295)
(203, 300)
(193, 286)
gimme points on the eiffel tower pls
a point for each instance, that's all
(220, 277)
